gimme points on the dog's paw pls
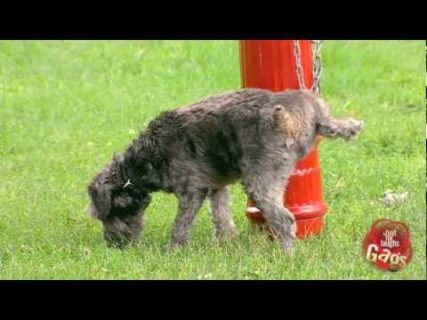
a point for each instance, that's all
(288, 244)
(289, 251)
(353, 128)
(226, 235)
(176, 244)
(119, 244)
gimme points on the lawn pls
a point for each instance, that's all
(67, 106)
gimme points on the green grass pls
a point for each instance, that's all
(67, 106)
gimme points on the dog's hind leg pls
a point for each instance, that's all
(335, 128)
(344, 128)
(221, 214)
(189, 205)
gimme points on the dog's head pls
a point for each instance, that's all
(117, 205)
(103, 194)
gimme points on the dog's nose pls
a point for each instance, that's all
(89, 209)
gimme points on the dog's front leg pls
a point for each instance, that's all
(266, 189)
(280, 220)
(189, 205)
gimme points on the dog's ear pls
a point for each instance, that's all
(100, 193)
(285, 122)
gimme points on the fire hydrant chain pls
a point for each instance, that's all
(317, 65)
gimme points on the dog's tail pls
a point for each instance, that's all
(335, 128)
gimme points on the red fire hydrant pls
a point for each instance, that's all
(271, 64)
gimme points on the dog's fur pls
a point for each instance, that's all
(252, 135)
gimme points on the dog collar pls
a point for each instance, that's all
(127, 184)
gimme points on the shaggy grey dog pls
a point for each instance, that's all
(252, 135)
